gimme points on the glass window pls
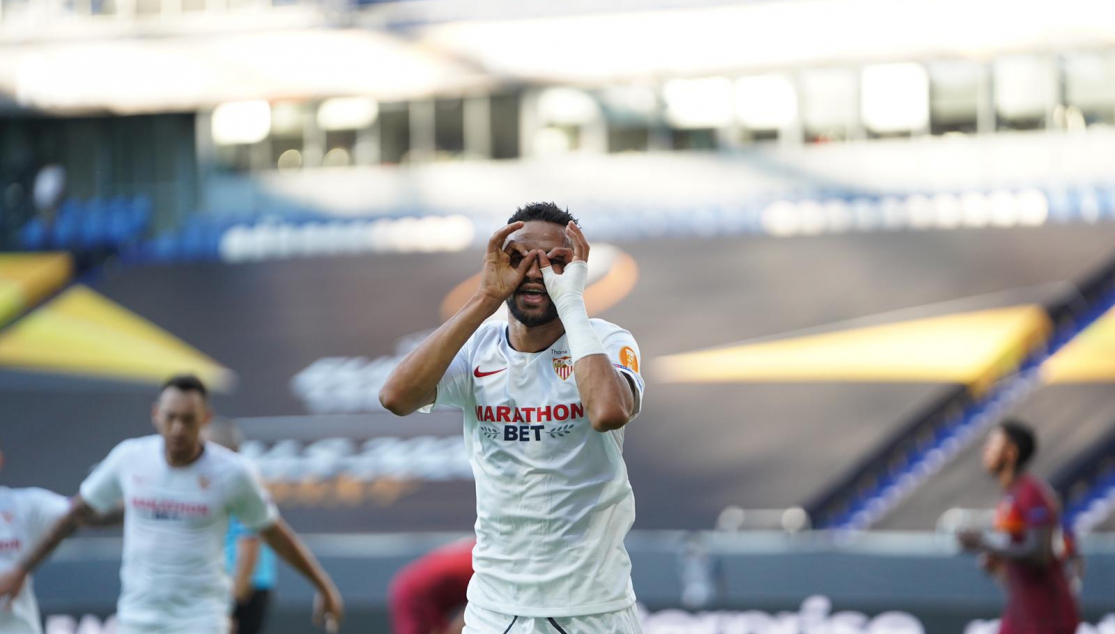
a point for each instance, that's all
(828, 104)
(954, 97)
(1090, 86)
(1025, 89)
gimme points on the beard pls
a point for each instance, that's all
(532, 319)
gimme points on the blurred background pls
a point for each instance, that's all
(849, 235)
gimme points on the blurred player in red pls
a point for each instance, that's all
(429, 595)
(1020, 551)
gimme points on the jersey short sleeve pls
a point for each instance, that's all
(250, 501)
(102, 489)
(44, 508)
(1026, 509)
(455, 385)
(1035, 509)
(624, 354)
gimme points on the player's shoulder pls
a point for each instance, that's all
(489, 333)
(604, 328)
(32, 496)
(140, 444)
(226, 459)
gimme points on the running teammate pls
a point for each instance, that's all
(1021, 548)
(546, 396)
(178, 492)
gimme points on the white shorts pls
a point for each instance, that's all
(481, 621)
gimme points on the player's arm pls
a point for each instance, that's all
(11, 582)
(608, 395)
(111, 518)
(328, 606)
(413, 383)
(1035, 547)
(247, 554)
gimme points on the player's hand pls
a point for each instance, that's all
(329, 610)
(970, 540)
(11, 583)
(504, 268)
(565, 282)
(242, 592)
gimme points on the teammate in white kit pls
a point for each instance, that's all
(178, 492)
(25, 516)
(546, 396)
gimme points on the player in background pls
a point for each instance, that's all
(25, 516)
(546, 396)
(1021, 548)
(178, 492)
(250, 563)
(428, 596)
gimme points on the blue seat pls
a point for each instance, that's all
(33, 235)
(64, 234)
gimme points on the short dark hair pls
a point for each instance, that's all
(1022, 437)
(186, 383)
(546, 212)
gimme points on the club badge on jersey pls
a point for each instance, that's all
(563, 366)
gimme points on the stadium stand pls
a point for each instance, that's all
(921, 450)
(1071, 421)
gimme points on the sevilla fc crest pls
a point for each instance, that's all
(563, 366)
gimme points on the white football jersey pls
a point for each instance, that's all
(553, 502)
(175, 523)
(26, 515)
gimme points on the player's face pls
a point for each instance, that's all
(530, 305)
(995, 452)
(180, 418)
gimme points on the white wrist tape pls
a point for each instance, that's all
(567, 292)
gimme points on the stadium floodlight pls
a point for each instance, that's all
(766, 102)
(698, 103)
(895, 97)
(347, 113)
(241, 122)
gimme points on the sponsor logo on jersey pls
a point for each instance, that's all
(7, 516)
(628, 359)
(547, 414)
(169, 509)
(10, 545)
(524, 424)
(563, 367)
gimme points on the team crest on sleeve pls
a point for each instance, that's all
(563, 366)
(628, 359)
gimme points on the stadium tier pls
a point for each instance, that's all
(299, 348)
(1069, 418)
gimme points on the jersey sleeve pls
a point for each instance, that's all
(454, 387)
(624, 354)
(1027, 509)
(250, 501)
(1035, 509)
(44, 509)
(102, 489)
